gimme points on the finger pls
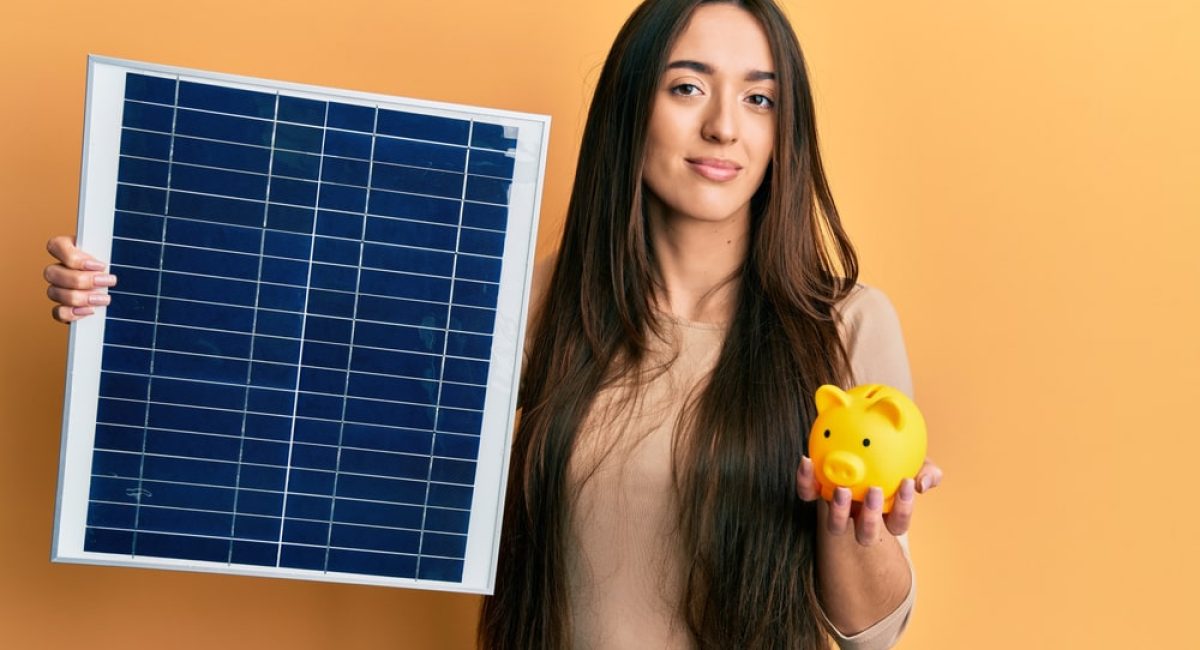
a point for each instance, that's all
(929, 477)
(61, 276)
(64, 250)
(807, 487)
(77, 298)
(898, 520)
(868, 528)
(66, 314)
(839, 512)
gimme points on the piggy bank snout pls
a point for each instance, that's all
(844, 468)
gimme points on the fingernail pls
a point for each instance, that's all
(925, 483)
(99, 299)
(93, 265)
(841, 496)
(907, 489)
(806, 466)
(104, 280)
(83, 311)
(874, 500)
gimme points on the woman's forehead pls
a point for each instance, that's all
(725, 37)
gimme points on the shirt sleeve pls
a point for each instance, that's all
(870, 329)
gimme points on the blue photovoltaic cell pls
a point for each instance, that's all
(295, 358)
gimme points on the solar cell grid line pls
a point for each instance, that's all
(283, 532)
(441, 383)
(139, 491)
(346, 381)
(309, 367)
(237, 487)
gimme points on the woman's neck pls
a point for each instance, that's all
(699, 262)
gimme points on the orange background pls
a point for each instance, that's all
(1021, 177)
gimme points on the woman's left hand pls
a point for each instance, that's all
(869, 520)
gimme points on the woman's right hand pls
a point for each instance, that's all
(78, 283)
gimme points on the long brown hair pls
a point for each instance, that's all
(746, 538)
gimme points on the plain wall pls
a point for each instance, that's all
(1020, 177)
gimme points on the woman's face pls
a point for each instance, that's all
(712, 127)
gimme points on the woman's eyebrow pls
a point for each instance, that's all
(706, 69)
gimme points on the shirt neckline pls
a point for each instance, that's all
(693, 324)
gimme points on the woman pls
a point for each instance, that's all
(660, 496)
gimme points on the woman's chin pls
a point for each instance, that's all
(707, 204)
(712, 213)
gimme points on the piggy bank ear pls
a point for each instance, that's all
(830, 396)
(888, 408)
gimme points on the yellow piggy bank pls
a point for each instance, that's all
(870, 435)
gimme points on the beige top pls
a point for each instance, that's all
(625, 570)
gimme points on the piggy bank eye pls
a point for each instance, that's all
(866, 442)
(827, 433)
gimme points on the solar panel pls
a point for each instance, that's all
(309, 365)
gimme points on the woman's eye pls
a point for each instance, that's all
(687, 90)
(761, 101)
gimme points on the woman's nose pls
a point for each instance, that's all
(720, 121)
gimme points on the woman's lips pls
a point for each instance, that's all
(714, 169)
